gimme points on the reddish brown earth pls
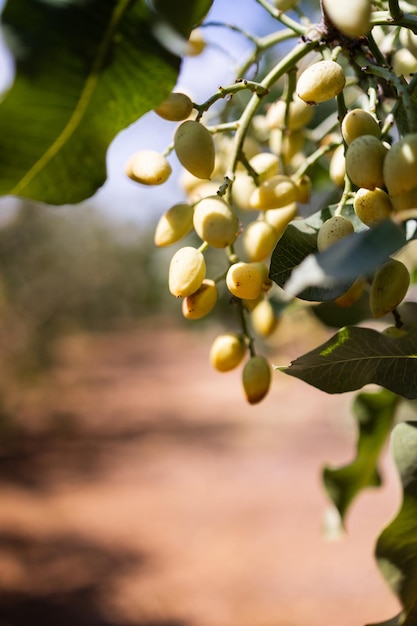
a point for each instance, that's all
(138, 488)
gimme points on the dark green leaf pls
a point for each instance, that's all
(396, 549)
(332, 314)
(355, 357)
(394, 621)
(298, 242)
(374, 414)
(86, 69)
(357, 255)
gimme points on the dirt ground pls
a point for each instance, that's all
(137, 488)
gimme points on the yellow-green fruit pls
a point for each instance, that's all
(335, 228)
(365, 158)
(304, 186)
(299, 115)
(173, 225)
(280, 218)
(256, 378)
(404, 63)
(215, 222)
(148, 167)
(244, 280)
(265, 165)
(194, 147)
(259, 239)
(202, 302)
(359, 122)
(264, 320)
(274, 193)
(372, 205)
(243, 187)
(389, 287)
(352, 294)
(394, 332)
(352, 18)
(227, 352)
(320, 82)
(177, 107)
(405, 201)
(400, 166)
(288, 145)
(187, 271)
(266, 281)
(285, 5)
(196, 43)
(337, 167)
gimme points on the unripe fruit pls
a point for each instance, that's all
(372, 206)
(288, 145)
(187, 271)
(173, 225)
(265, 165)
(304, 186)
(337, 167)
(400, 166)
(404, 63)
(394, 332)
(243, 187)
(335, 228)
(256, 378)
(285, 5)
(244, 280)
(177, 107)
(148, 167)
(351, 18)
(320, 82)
(194, 147)
(215, 222)
(405, 201)
(264, 320)
(266, 281)
(359, 122)
(195, 44)
(300, 114)
(365, 162)
(389, 287)
(280, 218)
(274, 193)
(227, 352)
(352, 294)
(259, 239)
(202, 302)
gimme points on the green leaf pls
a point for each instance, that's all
(86, 69)
(396, 548)
(355, 357)
(374, 413)
(298, 242)
(394, 621)
(332, 314)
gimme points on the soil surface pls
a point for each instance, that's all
(137, 488)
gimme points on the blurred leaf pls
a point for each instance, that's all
(394, 621)
(86, 69)
(355, 357)
(357, 255)
(396, 549)
(298, 242)
(374, 413)
(333, 315)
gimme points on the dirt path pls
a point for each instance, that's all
(138, 488)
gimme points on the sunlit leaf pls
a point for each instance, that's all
(374, 413)
(86, 69)
(355, 357)
(396, 549)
